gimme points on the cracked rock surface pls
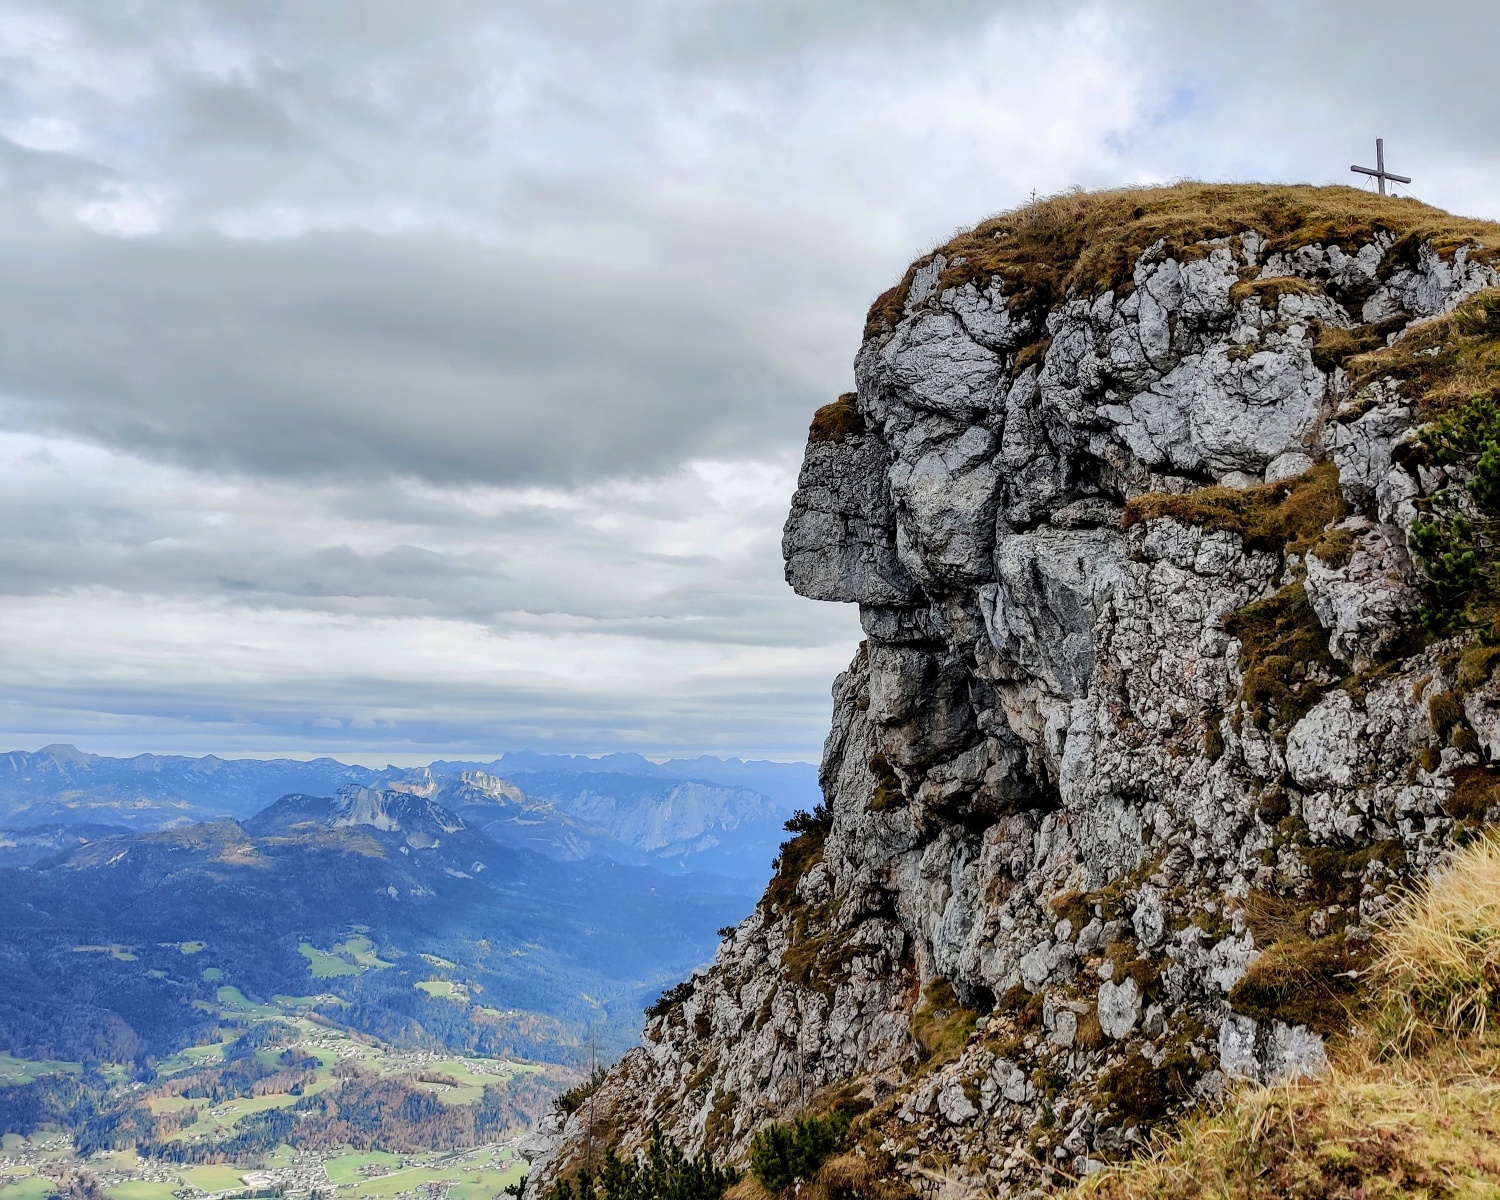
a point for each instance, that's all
(1061, 813)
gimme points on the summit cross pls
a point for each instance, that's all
(1379, 172)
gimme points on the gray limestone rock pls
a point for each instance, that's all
(836, 544)
(1237, 1056)
(1251, 1051)
(1368, 598)
(1050, 764)
(1119, 1007)
(1040, 610)
(1150, 919)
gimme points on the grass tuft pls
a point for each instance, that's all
(940, 1024)
(1288, 516)
(1440, 959)
(837, 422)
(1410, 1107)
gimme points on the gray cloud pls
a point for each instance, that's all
(421, 355)
(405, 379)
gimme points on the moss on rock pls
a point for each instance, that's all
(837, 422)
(1286, 517)
(1284, 658)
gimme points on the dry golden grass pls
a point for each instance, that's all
(1287, 516)
(1441, 364)
(1087, 242)
(1411, 1108)
(1440, 959)
(848, 1176)
(1370, 1129)
(748, 1188)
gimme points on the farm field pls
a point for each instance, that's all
(198, 1110)
(21, 1070)
(217, 1177)
(32, 1187)
(143, 1189)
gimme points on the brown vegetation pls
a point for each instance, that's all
(837, 422)
(1440, 364)
(1283, 517)
(798, 856)
(1268, 292)
(1085, 243)
(1280, 640)
(941, 1024)
(1411, 1107)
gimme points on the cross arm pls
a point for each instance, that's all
(1374, 173)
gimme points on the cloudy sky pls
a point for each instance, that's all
(395, 379)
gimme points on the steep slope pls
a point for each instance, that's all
(32, 843)
(1155, 709)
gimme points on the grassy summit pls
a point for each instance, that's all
(1085, 243)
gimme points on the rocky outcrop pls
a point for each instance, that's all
(1143, 731)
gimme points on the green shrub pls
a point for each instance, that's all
(820, 820)
(785, 1152)
(1456, 540)
(671, 998)
(665, 1173)
(573, 1099)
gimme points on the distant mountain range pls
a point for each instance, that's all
(381, 908)
(703, 814)
(499, 907)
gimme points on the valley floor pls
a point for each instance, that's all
(197, 1114)
(31, 1168)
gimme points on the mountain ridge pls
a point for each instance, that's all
(459, 941)
(619, 807)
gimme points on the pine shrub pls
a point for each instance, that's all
(785, 1152)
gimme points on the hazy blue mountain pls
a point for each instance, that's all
(791, 785)
(703, 814)
(677, 823)
(22, 847)
(385, 909)
(513, 818)
(61, 784)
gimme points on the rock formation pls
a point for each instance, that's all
(1145, 729)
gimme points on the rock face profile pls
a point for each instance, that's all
(1156, 709)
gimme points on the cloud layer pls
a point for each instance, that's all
(399, 380)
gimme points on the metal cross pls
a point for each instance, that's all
(1380, 173)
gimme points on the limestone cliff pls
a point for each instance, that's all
(1145, 730)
